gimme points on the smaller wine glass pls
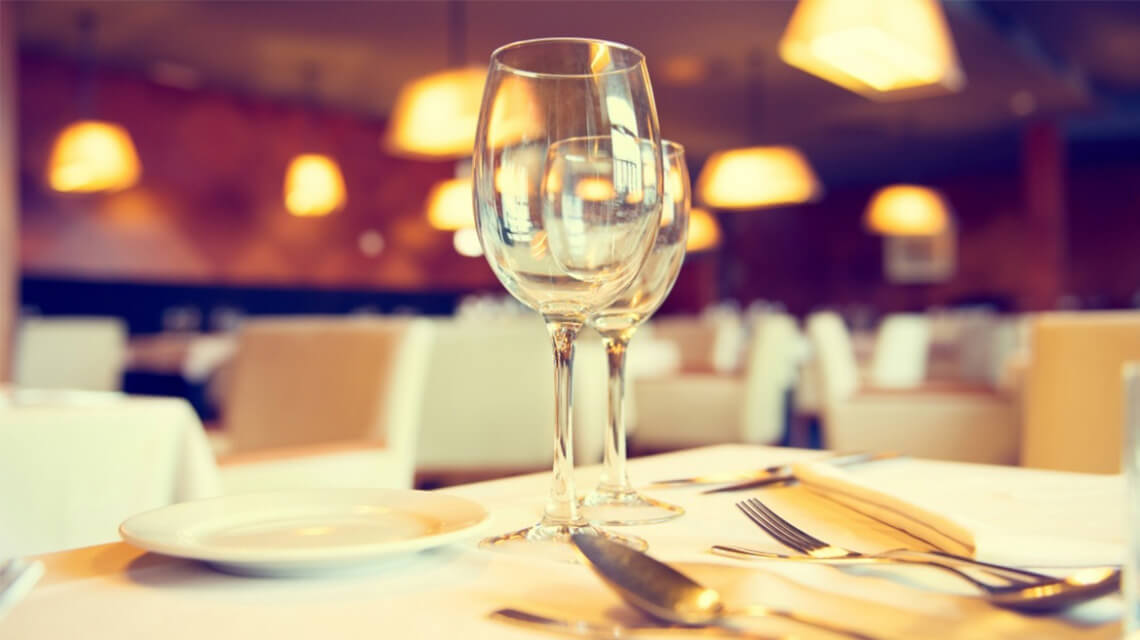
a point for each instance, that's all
(615, 501)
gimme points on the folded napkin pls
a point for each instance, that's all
(17, 577)
(1023, 536)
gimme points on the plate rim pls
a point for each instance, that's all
(307, 556)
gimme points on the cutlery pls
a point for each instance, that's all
(1023, 591)
(585, 628)
(17, 577)
(842, 461)
(815, 549)
(669, 595)
(772, 474)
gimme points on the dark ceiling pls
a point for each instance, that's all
(1077, 61)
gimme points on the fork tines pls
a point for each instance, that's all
(783, 531)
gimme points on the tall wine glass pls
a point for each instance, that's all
(615, 501)
(567, 174)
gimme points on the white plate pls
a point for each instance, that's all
(301, 532)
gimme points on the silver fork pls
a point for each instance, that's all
(815, 549)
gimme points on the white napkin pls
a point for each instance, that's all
(899, 506)
(17, 577)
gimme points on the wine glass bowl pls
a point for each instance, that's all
(615, 501)
(568, 194)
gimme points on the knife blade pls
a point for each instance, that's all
(744, 476)
(844, 460)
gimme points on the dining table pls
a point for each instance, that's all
(116, 591)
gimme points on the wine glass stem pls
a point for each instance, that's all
(614, 476)
(562, 506)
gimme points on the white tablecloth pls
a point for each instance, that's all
(115, 592)
(74, 465)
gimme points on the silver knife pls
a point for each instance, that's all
(586, 629)
(745, 476)
(844, 460)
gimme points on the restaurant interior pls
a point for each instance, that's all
(263, 252)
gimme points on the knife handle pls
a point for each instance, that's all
(730, 621)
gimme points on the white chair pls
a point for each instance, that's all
(488, 405)
(693, 409)
(85, 353)
(902, 347)
(73, 467)
(695, 338)
(1074, 403)
(967, 424)
(305, 389)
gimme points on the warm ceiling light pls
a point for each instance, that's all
(684, 70)
(876, 48)
(313, 186)
(704, 231)
(907, 210)
(91, 155)
(435, 116)
(450, 205)
(466, 243)
(757, 177)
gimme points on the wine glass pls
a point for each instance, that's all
(615, 501)
(567, 180)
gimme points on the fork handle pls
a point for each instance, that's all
(1013, 575)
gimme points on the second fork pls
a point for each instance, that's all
(815, 549)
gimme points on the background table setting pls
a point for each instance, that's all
(450, 590)
(82, 443)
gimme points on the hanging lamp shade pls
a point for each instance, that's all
(704, 231)
(93, 155)
(877, 48)
(450, 206)
(314, 186)
(435, 116)
(907, 210)
(757, 177)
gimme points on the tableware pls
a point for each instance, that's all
(789, 476)
(614, 501)
(1023, 590)
(588, 629)
(792, 536)
(567, 187)
(17, 577)
(667, 594)
(731, 477)
(285, 533)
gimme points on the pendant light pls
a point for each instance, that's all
(704, 231)
(435, 116)
(91, 155)
(314, 184)
(759, 176)
(450, 206)
(880, 49)
(907, 210)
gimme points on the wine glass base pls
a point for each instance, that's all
(622, 507)
(552, 541)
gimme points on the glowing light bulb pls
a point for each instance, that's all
(314, 186)
(92, 155)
